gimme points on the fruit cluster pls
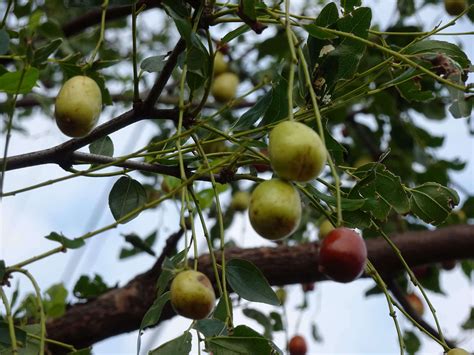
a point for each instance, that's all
(298, 154)
(225, 83)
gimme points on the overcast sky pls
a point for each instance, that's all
(348, 322)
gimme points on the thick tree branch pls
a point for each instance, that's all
(122, 309)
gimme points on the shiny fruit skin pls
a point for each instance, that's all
(343, 255)
(275, 209)
(296, 151)
(455, 7)
(240, 201)
(220, 65)
(416, 303)
(457, 351)
(325, 228)
(78, 106)
(297, 345)
(224, 87)
(192, 295)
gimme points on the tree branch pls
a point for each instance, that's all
(121, 310)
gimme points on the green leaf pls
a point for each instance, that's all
(153, 64)
(126, 196)
(435, 47)
(346, 203)
(433, 202)
(152, 316)
(261, 319)
(277, 322)
(55, 301)
(248, 8)
(42, 54)
(4, 41)
(88, 288)
(139, 245)
(348, 5)
(412, 342)
(5, 334)
(66, 242)
(102, 146)
(10, 82)
(180, 345)
(317, 32)
(235, 33)
(211, 327)
(315, 333)
(469, 323)
(432, 281)
(278, 108)
(220, 312)
(253, 114)
(225, 345)
(468, 207)
(467, 267)
(249, 283)
(350, 52)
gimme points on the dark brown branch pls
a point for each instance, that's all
(400, 296)
(122, 309)
(62, 154)
(162, 79)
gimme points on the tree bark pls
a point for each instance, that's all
(121, 310)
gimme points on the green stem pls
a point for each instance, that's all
(105, 4)
(11, 325)
(136, 92)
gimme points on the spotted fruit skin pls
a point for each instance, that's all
(325, 228)
(224, 87)
(78, 106)
(275, 209)
(192, 295)
(343, 255)
(455, 7)
(457, 351)
(296, 151)
(297, 345)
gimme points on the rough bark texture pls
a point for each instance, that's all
(121, 310)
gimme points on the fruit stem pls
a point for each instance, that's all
(11, 326)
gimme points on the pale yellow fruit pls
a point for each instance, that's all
(240, 201)
(296, 151)
(220, 65)
(457, 351)
(325, 228)
(78, 106)
(275, 209)
(192, 295)
(224, 87)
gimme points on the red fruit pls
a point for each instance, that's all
(416, 303)
(297, 345)
(342, 255)
(448, 265)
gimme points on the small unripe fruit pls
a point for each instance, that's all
(224, 87)
(220, 65)
(457, 351)
(455, 7)
(296, 151)
(416, 304)
(297, 345)
(281, 294)
(342, 255)
(78, 106)
(192, 295)
(325, 228)
(275, 209)
(240, 201)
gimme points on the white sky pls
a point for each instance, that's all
(348, 322)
